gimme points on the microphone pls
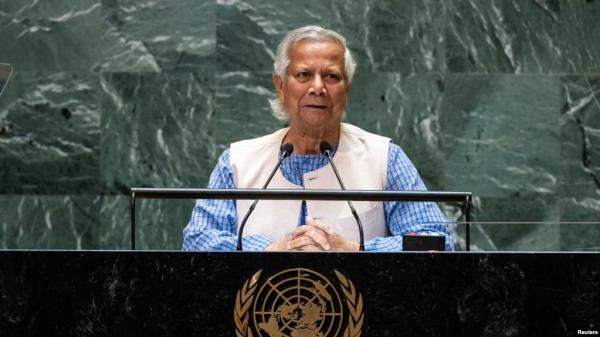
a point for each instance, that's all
(286, 150)
(327, 151)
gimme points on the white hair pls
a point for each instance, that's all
(282, 59)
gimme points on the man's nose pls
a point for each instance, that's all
(317, 86)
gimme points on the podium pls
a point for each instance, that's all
(127, 293)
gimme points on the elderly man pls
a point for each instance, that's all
(313, 73)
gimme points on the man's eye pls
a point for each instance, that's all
(303, 74)
(334, 77)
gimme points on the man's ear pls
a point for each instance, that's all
(278, 84)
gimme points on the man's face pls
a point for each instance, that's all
(315, 90)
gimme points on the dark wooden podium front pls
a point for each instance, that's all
(75, 293)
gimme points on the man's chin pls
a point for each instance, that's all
(317, 123)
(315, 120)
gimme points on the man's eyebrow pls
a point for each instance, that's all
(302, 70)
(332, 68)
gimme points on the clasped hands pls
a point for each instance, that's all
(313, 236)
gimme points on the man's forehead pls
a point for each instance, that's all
(305, 51)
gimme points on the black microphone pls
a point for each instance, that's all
(286, 151)
(328, 152)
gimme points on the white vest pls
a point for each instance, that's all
(361, 158)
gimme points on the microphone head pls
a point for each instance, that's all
(287, 149)
(325, 148)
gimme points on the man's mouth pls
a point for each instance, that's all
(315, 106)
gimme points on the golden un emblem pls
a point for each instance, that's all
(298, 302)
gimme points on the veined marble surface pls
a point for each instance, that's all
(49, 134)
(500, 98)
(535, 36)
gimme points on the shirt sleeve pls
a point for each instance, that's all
(213, 224)
(406, 217)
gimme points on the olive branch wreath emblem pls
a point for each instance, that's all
(243, 300)
(245, 297)
(355, 306)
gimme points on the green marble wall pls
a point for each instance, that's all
(500, 98)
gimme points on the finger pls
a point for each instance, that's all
(299, 231)
(325, 228)
(300, 242)
(302, 230)
(311, 237)
(318, 237)
(310, 248)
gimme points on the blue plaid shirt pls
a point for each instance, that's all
(213, 225)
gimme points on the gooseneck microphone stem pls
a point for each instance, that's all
(327, 151)
(286, 151)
